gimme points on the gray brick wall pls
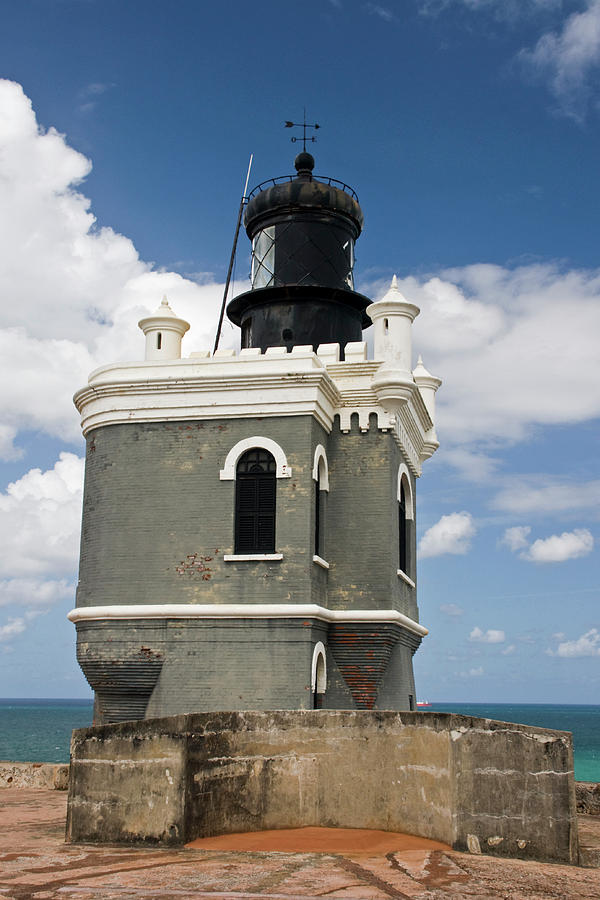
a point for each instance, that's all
(157, 521)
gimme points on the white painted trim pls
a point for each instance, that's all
(409, 501)
(251, 557)
(244, 611)
(405, 578)
(319, 651)
(321, 455)
(320, 561)
(227, 473)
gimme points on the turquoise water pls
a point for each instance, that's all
(40, 730)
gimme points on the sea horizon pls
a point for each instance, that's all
(38, 729)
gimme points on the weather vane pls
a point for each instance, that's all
(303, 125)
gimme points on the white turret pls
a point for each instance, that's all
(392, 317)
(428, 385)
(164, 332)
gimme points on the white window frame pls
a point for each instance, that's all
(228, 472)
(319, 651)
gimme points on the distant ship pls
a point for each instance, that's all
(422, 703)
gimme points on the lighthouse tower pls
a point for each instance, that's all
(248, 536)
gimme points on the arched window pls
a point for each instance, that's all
(321, 478)
(318, 676)
(402, 535)
(255, 494)
(405, 518)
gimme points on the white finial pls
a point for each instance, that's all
(164, 301)
(394, 284)
(420, 360)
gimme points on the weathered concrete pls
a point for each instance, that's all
(34, 775)
(475, 784)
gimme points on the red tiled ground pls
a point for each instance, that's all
(36, 863)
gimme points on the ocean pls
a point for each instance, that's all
(40, 730)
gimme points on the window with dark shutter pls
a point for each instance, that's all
(318, 548)
(255, 492)
(402, 536)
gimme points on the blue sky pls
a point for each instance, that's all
(470, 130)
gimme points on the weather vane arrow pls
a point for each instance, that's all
(304, 125)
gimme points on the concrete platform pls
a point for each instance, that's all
(36, 864)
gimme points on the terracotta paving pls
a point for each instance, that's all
(36, 864)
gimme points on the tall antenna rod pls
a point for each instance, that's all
(232, 258)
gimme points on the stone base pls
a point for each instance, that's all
(34, 775)
(475, 784)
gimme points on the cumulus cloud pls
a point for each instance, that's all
(498, 337)
(547, 494)
(566, 59)
(556, 548)
(491, 636)
(587, 645)
(516, 538)
(73, 292)
(561, 547)
(451, 609)
(40, 517)
(12, 628)
(452, 534)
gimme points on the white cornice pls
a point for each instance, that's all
(253, 385)
(244, 611)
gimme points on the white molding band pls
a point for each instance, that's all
(324, 479)
(320, 561)
(405, 578)
(243, 611)
(252, 557)
(227, 473)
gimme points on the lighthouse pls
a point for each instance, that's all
(248, 536)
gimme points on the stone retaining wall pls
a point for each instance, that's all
(34, 775)
(476, 784)
(588, 797)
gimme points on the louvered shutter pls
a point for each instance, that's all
(255, 503)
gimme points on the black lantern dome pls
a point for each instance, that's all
(303, 229)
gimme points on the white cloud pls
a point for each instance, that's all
(452, 534)
(12, 628)
(40, 518)
(561, 547)
(8, 451)
(566, 59)
(36, 592)
(502, 9)
(498, 337)
(491, 636)
(475, 672)
(451, 609)
(72, 292)
(516, 538)
(587, 645)
(383, 12)
(547, 494)
(508, 651)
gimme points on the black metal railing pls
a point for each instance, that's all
(324, 179)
